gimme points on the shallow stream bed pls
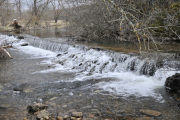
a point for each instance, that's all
(69, 82)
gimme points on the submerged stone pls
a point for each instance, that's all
(64, 106)
(76, 114)
(150, 112)
(29, 90)
(1, 87)
(5, 106)
(59, 118)
(87, 107)
(137, 118)
(43, 114)
(66, 117)
(36, 107)
(53, 98)
(18, 89)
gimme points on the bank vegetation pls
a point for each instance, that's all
(99, 20)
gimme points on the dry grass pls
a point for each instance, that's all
(31, 25)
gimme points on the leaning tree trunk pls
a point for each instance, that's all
(4, 52)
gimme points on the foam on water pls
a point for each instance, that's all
(129, 75)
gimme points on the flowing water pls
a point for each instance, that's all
(68, 76)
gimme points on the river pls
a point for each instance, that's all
(93, 78)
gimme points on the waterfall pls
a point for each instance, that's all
(93, 60)
(131, 74)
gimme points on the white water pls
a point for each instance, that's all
(91, 64)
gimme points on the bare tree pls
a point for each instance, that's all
(6, 11)
(37, 8)
(57, 8)
(1, 2)
(127, 20)
(19, 7)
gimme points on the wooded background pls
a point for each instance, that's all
(114, 20)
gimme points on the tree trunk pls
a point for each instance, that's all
(5, 51)
(35, 8)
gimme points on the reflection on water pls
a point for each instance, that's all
(48, 32)
(133, 47)
(127, 47)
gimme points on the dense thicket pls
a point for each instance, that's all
(127, 19)
(115, 20)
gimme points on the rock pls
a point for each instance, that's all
(66, 117)
(76, 114)
(59, 118)
(98, 49)
(73, 118)
(109, 112)
(36, 107)
(142, 118)
(79, 119)
(94, 110)
(18, 89)
(150, 112)
(58, 55)
(96, 91)
(5, 106)
(1, 87)
(24, 44)
(53, 104)
(50, 93)
(137, 118)
(178, 104)
(91, 116)
(72, 110)
(173, 82)
(43, 114)
(20, 37)
(71, 93)
(2, 97)
(64, 106)
(87, 107)
(29, 90)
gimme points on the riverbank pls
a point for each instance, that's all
(25, 27)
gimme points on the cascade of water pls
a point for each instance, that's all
(99, 61)
(131, 74)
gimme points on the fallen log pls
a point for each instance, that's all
(5, 51)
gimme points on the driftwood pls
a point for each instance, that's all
(5, 51)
